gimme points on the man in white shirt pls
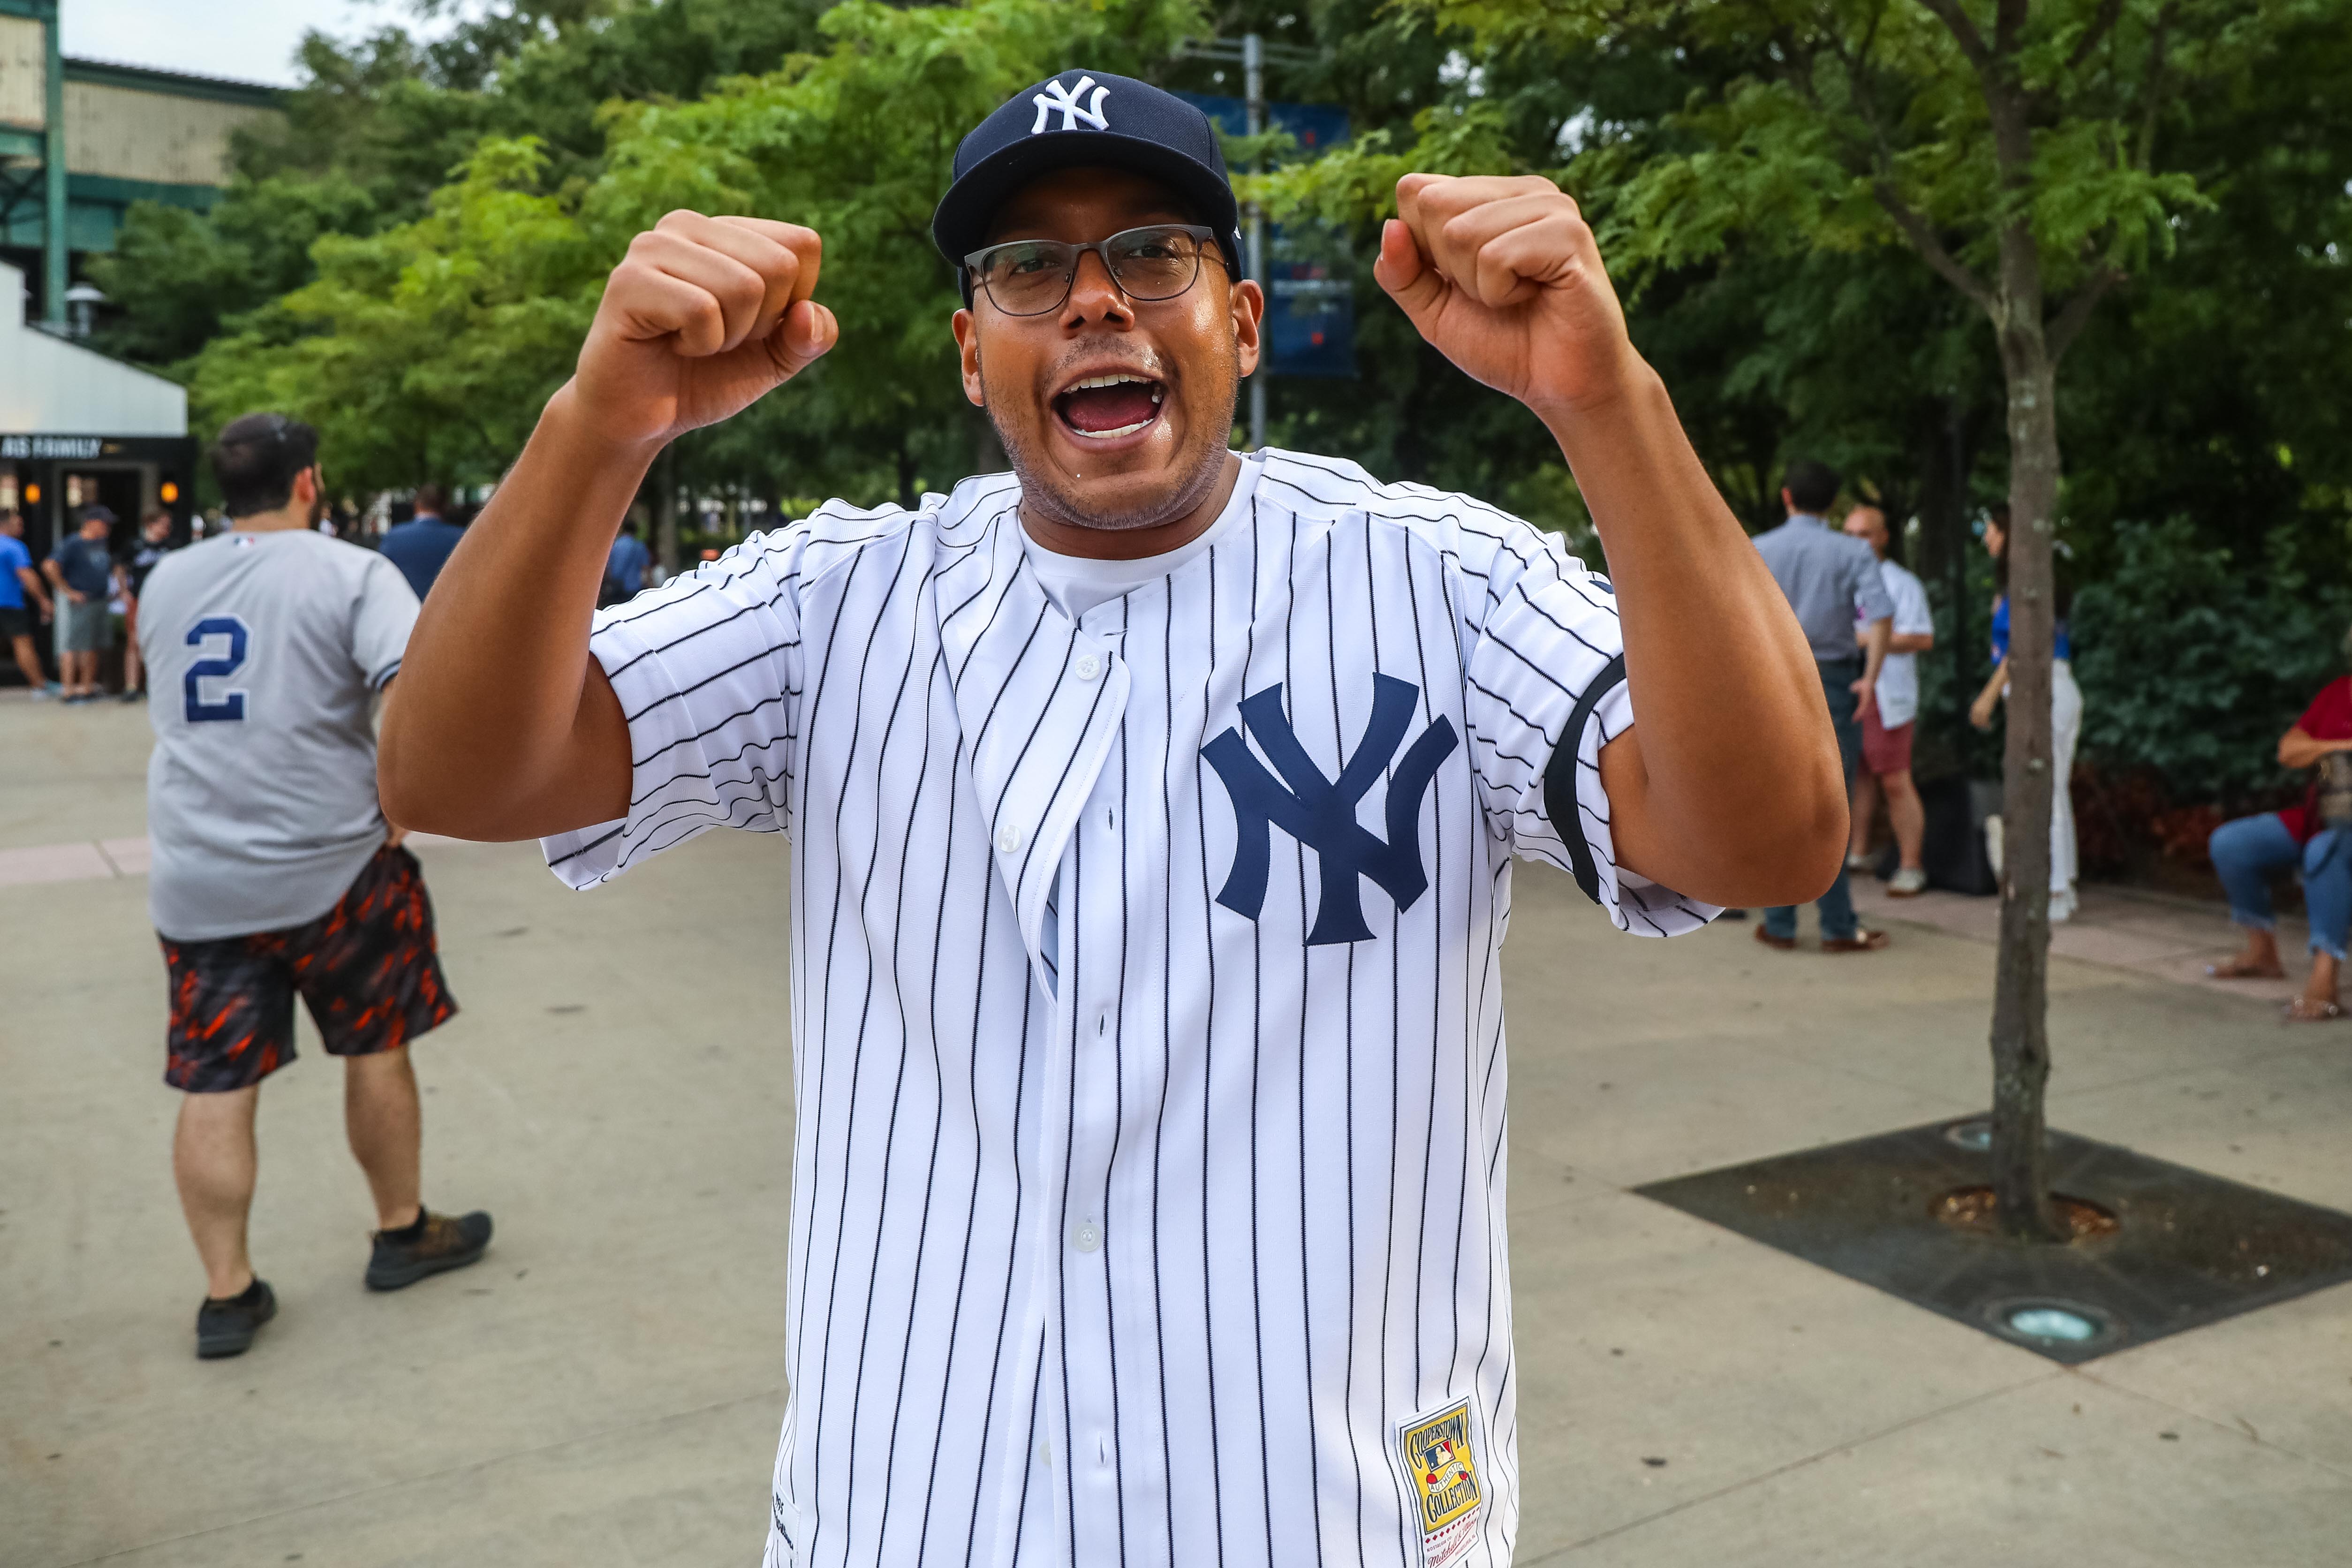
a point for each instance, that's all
(1153, 812)
(1887, 730)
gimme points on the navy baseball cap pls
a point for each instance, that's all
(1084, 118)
(98, 511)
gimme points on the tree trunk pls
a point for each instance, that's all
(2020, 1038)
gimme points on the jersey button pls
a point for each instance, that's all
(1091, 666)
(1086, 1236)
(1008, 838)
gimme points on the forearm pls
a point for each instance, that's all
(1740, 798)
(1873, 651)
(1910, 642)
(1992, 688)
(499, 728)
(2298, 748)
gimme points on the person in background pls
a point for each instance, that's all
(18, 581)
(2251, 850)
(81, 569)
(275, 873)
(1887, 726)
(2066, 713)
(625, 567)
(154, 544)
(1840, 596)
(421, 546)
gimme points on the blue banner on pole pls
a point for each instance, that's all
(1311, 314)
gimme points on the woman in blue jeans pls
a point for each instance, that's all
(2251, 851)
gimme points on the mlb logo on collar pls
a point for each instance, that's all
(1071, 103)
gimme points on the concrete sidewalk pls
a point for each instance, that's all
(604, 1389)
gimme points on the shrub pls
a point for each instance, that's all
(2192, 667)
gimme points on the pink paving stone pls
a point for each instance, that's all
(53, 863)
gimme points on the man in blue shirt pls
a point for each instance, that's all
(17, 579)
(420, 546)
(1831, 578)
(625, 567)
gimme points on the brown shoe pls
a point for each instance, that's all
(435, 1243)
(1860, 942)
(1785, 943)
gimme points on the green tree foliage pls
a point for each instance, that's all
(381, 122)
(2192, 665)
(428, 346)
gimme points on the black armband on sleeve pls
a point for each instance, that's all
(1559, 777)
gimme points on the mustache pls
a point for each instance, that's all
(1142, 358)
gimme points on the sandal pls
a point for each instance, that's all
(2303, 1010)
(2239, 969)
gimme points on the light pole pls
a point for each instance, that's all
(1253, 100)
(1254, 54)
(53, 171)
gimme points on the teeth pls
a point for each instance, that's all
(1093, 381)
(1106, 435)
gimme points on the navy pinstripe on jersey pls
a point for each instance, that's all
(1128, 1225)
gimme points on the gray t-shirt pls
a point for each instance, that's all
(1829, 577)
(265, 652)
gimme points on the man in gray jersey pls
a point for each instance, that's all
(273, 870)
(1153, 812)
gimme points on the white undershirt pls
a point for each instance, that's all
(1077, 583)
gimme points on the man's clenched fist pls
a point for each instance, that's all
(705, 316)
(1502, 275)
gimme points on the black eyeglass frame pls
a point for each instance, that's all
(1202, 237)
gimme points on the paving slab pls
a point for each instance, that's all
(2059, 1472)
(1664, 1359)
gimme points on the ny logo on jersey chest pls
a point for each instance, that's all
(1320, 812)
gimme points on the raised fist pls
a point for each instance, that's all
(1502, 276)
(704, 317)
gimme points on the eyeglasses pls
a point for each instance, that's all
(1031, 277)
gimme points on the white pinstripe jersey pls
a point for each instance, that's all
(1149, 1171)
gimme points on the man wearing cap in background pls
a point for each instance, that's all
(81, 569)
(1154, 810)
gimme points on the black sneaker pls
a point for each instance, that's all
(434, 1245)
(227, 1328)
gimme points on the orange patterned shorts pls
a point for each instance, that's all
(368, 969)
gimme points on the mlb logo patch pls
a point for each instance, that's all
(1441, 1463)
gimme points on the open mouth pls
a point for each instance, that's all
(1104, 407)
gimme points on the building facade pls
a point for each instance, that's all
(80, 141)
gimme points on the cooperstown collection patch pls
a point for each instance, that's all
(1441, 1462)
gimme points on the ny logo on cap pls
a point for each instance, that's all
(1320, 812)
(1065, 99)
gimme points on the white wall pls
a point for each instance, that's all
(51, 387)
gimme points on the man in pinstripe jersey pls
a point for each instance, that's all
(1153, 813)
